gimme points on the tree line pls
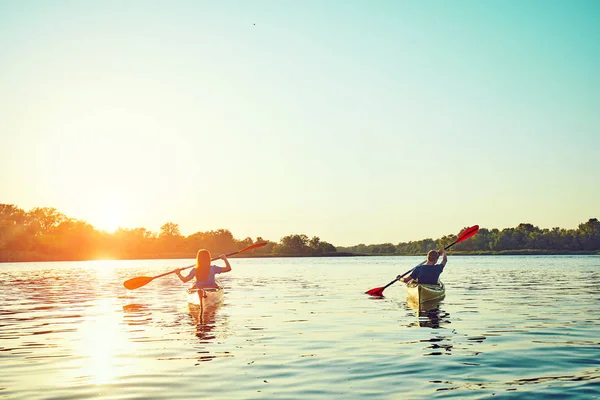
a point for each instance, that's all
(523, 239)
(45, 234)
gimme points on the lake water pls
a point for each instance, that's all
(293, 328)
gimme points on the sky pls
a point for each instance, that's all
(354, 121)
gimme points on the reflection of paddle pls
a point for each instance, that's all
(140, 281)
(467, 233)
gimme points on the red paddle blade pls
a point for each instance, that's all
(467, 233)
(377, 292)
(253, 246)
(135, 283)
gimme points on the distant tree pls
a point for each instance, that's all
(318, 247)
(387, 248)
(266, 249)
(294, 244)
(73, 240)
(170, 239)
(245, 243)
(589, 233)
(169, 229)
(41, 221)
(13, 234)
(134, 243)
(481, 241)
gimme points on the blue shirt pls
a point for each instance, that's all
(428, 274)
(210, 282)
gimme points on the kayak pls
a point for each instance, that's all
(205, 298)
(423, 294)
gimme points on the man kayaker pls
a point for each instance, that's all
(204, 272)
(430, 272)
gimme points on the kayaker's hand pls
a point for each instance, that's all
(441, 252)
(399, 278)
(223, 257)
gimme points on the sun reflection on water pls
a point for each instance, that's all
(101, 343)
(104, 266)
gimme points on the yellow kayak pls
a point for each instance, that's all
(206, 297)
(423, 294)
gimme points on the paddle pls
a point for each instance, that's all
(464, 235)
(140, 281)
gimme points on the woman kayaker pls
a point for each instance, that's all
(430, 272)
(204, 271)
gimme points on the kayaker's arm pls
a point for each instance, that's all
(444, 257)
(227, 265)
(183, 278)
(404, 279)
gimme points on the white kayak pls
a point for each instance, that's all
(205, 298)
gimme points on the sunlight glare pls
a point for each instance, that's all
(101, 343)
(109, 221)
(105, 213)
(103, 267)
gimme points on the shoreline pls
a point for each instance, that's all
(180, 256)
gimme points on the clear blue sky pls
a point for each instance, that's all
(354, 121)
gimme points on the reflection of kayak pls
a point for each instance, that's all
(423, 294)
(205, 298)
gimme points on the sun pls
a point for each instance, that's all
(109, 221)
(105, 215)
(110, 208)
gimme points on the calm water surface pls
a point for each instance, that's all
(302, 328)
